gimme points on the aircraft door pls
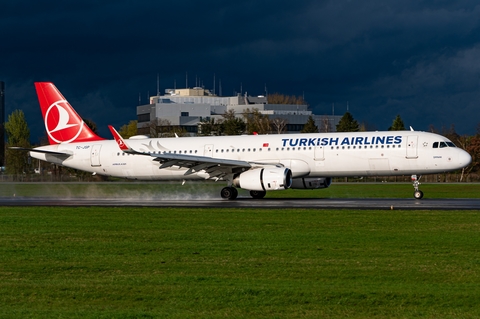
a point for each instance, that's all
(95, 155)
(208, 150)
(412, 144)
(319, 153)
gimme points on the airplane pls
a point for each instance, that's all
(257, 163)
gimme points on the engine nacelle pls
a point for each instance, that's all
(311, 183)
(264, 179)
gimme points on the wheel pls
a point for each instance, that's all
(229, 193)
(258, 194)
(418, 194)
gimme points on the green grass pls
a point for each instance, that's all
(238, 263)
(201, 190)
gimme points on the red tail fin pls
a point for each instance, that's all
(62, 123)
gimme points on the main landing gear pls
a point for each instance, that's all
(231, 193)
(418, 194)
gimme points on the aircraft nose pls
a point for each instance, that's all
(464, 159)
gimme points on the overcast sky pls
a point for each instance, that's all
(419, 59)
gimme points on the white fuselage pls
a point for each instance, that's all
(307, 155)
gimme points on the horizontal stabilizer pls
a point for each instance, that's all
(37, 150)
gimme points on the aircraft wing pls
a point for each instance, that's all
(216, 168)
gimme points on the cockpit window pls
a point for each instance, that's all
(442, 144)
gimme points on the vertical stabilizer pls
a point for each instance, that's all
(62, 123)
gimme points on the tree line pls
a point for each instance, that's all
(252, 121)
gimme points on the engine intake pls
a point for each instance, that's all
(264, 179)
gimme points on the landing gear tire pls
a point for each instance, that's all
(229, 193)
(418, 194)
(258, 194)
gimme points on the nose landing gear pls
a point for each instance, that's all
(418, 194)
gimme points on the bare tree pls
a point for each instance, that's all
(256, 121)
(325, 126)
(279, 125)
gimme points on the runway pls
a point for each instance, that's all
(322, 203)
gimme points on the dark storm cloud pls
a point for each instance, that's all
(413, 58)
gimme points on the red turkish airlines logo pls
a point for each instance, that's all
(62, 123)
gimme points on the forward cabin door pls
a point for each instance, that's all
(412, 146)
(95, 155)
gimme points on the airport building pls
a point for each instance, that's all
(187, 108)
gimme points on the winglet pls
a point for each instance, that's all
(121, 143)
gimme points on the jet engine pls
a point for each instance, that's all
(311, 183)
(264, 179)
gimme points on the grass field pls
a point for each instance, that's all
(199, 190)
(238, 263)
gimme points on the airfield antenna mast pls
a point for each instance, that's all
(213, 83)
(158, 84)
(220, 87)
(186, 80)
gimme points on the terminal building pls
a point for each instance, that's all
(187, 108)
